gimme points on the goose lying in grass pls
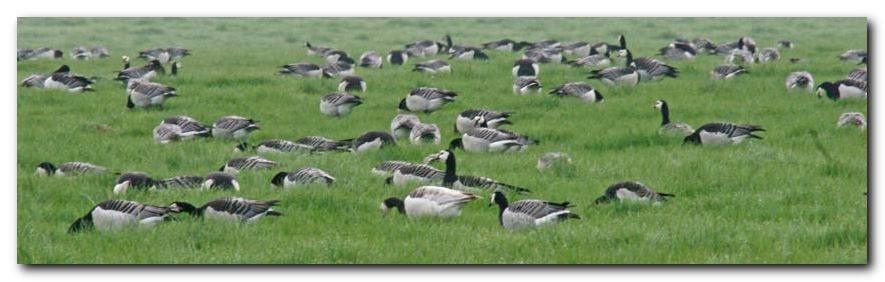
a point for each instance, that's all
(433, 66)
(235, 165)
(526, 84)
(492, 140)
(183, 181)
(339, 104)
(372, 140)
(220, 181)
(800, 80)
(530, 213)
(852, 118)
(134, 180)
(525, 67)
(579, 89)
(371, 59)
(302, 69)
(843, 89)
(402, 124)
(726, 71)
(553, 159)
(302, 177)
(62, 78)
(427, 99)
(234, 127)
(722, 134)
(68, 169)
(631, 191)
(119, 214)
(146, 72)
(425, 133)
(474, 118)
(429, 201)
(231, 209)
(397, 57)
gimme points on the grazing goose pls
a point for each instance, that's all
(473, 118)
(726, 71)
(843, 89)
(426, 99)
(371, 59)
(678, 50)
(146, 72)
(144, 94)
(505, 45)
(579, 89)
(626, 75)
(553, 159)
(234, 127)
(853, 55)
(333, 56)
(220, 181)
(397, 57)
(722, 134)
(235, 165)
(231, 209)
(768, 54)
(426, 48)
(352, 83)
(467, 183)
(402, 124)
(42, 53)
(371, 140)
(302, 69)
(668, 127)
(580, 49)
(800, 80)
(525, 67)
(315, 50)
(704, 44)
(119, 214)
(386, 168)
(852, 118)
(425, 133)
(189, 126)
(339, 104)
(469, 53)
(785, 44)
(631, 191)
(526, 84)
(858, 74)
(167, 133)
(433, 66)
(530, 213)
(133, 180)
(81, 53)
(68, 169)
(339, 68)
(302, 177)
(62, 78)
(429, 201)
(595, 60)
(411, 173)
(648, 68)
(35, 80)
(492, 140)
(99, 52)
(184, 181)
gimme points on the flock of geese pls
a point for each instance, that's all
(443, 192)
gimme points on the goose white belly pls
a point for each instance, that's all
(400, 179)
(719, 138)
(371, 145)
(466, 55)
(419, 207)
(51, 83)
(111, 219)
(851, 92)
(550, 218)
(506, 146)
(210, 213)
(473, 144)
(464, 124)
(627, 195)
(630, 79)
(512, 220)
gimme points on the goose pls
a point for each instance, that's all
(526, 84)
(579, 89)
(505, 45)
(429, 201)
(858, 74)
(800, 80)
(164, 55)
(852, 118)
(740, 55)
(425, 133)
(271, 146)
(126, 62)
(189, 126)
(648, 68)
(62, 78)
(469, 53)
(184, 181)
(315, 50)
(220, 181)
(234, 127)
(525, 67)
(530, 213)
(553, 159)
(547, 43)
(144, 94)
(426, 99)
(386, 168)
(785, 44)
(768, 54)
(235, 165)
(402, 124)
(302, 69)
(722, 134)
(302, 177)
(81, 53)
(426, 48)
(35, 80)
(679, 50)
(581, 49)
(339, 104)
(853, 55)
(146, 72)
(339, 68)
(492, 140)
(843, 89)
(133, 180)
(333, 56)
(231, 209)
(743, 43)
(371, 140)
(668, 127)
(119, 214)
(626, 75)
(631, 191)
(433, 66)
(41, 53)
(726, 71)
(167, 133)
(68, 169)
(595, 60)
(704, 44)
(352, 83)
(473, 118)
(467, 183)
(320, 144)
(371, 59)
(99, 52)
(397, 57)
(403, 174)
(541, 55)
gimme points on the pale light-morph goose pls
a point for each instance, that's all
(483, 139)
(425, 133)
(339, 68)
(800, 80)
(234, 127)
(302, 177)
(41, 53)
(371, 140)
(472, 118)
(62, 78)
(631, 191)
(397, 57)
(429, 201)
(648, 68)
(553, 159)
(426, 99)
(302, 69)
(68, 169)
(785, 44)
(853, 55)
(726, 71)
(679, 50)
(843, 89)
(144, 94)
(858, 74)
(339, 104)
(183, 181)
(530, 213)
(467, 183)
(402, 124)
(371, 59)
(579, 89)
(315, 50)
(220, 181)
(235, 165)
(231, 209)
(852, 118)
(119, 214)
(433, 66)
(352, 83)
(595, 60)
(668, 127)
(722, 134)
(146, 72)
(189, 126)
(525, 67)
(167, 133)
(526, 84)
(768, 54)
(133, 180)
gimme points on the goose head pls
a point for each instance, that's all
(186, 207)
(499, 199)
(827, 88)
(659, 104)
(391, 203)
(46, 168)
(456, 143)
(440, 156)
(278, 179)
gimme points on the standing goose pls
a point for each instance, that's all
(220, 181)
(167, 133)
(184, 181)
(426, 99)
(768, 54)
(631, 191)
(133, 180)
(302, 177)
(852, 118)
(648, 68)
(234, 127)
(492, 140)
(726, 71)
(352, 83)
(402, 124)
(467, 183)
(371, 140)
(853, 55)
(425, 133)
(843, 89)
(232, 209)
(146, 72)
(68, 169)
(525, 67)
(235, 165)
(371, 59)
(473, 118)
(579, 89)
(553, 159)
(800, 80)
(722, 134)
(858, 74)
(429, 201)
(119, 214)
(302, 69)
(668, 127)
(595, 60)
(62, 78)
(339, 104)
(339, 68)
(189, 126)
(144, 94)
(526, 84)
(530, 213)
(397, 57)
(433, 66)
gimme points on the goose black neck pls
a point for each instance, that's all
(450, 176)
(502, 205)
(665, 113)
(629, 58)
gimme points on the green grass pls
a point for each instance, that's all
(776, 200)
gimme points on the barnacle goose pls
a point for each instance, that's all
(80, 53)
(726, 71)
(68, 168)
(386, 168)
(164, 55)
(843, 89)
(544, 55)
(553, 159)
(473, 118)
(352, 83)
(429, 201)
(768, 54)
(853, 55)
(595, 60)
(785, 43)
(302, 69)
(402, 124)
(220, 181)
(631, 191)
(547, 43)
(339, 104)
(469, 53)
(99, 52)
(668, 127)
(743, 43)
(231, 208)
(35, 80)
(678, 50)
(425, 133)
(704, 44)
(167, 133)
(184, 181)
(41, 53)
(579, 89)
(371, 59)
(144, 94)
(402, 174)
(119, 214)
(302, 177)
(333, 56)
(339, 68)
(426, 48)
(648, 68)
(308, 144)
(800, 80)
(234, 127)
(626, 75)
(397, 57)
(133, 180)
(741, 56)
(580, 49)
(525, 67)
(433, 66)
(426, 99)
(852, 118)
(62, 78)
(247, 163)
(505, 45)
(371, 140)
(146, 72)
(858, 74)
(315, 50)
(492, 140)
(467, 183)
(526, 84)
(189, 126)
(530, 213)
(722, 134)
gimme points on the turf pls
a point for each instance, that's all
(772, 201)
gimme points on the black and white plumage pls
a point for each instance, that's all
(843, 89)
(785, 44)
(146, 72)
(352, 83)
(530, 213)
(429, 201)
(743, 43)
(631, 191)
(579, 89)
(467, 183)
(402, 174)
(35, 80)
(183, 181)
(402, 124)
(649, 68)
(525, 67)
(231, 209)
(473, 118)
(679, 50)
(333, 56)
(134, 180)
(504, 45)
(339, 68)
(553, 159)
(722, 134)
(144, 94)
(853, 55)
(482, 139)
(858, 74)
(425, 133)
(302, 177)
(427, 99)
(544, 55)
(704, 44)
(768, 54)
(371, 59)
(164, 55)
(626, 75)
(433, 66)
(302, 69)
(321, 144)
(426, 48)
(220, 181)
(235, 165)
(269, 146)
(339, 104)
(386, 168)
(167, 133)
(234, 127)
(68, 169)
(41, 53)
(469, 53)
(667, 126)
(856, 119)
(189, 127)
(726, 71)
(800, 80)
(526, 84)
(315, 50)
(62, 78)
(371, 140)
(119, 214)
(397, 57)
(595, 60)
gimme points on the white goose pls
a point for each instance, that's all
(430, 201)
(530, 213)
(302, 177)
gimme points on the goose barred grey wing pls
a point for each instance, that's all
(488, 184)
(340, 98)
(388, 167)
(35, 80)
(185, 181)
(858, 74)
(254, 162)
(801, 80)
(310, 175)
(166, 133)
(420, 170)
(655, 68)
(79, 167)
(371, 59)
(234, 123)
(536, 208)
(726, 71)
(732, 130)
(318, 143)
(149, 89)
(431, 93)
(139, 211)
(189, 126)
(853, 83)
(241, 208)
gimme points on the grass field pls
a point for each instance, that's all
(770, 201)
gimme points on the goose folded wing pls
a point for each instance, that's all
(441, 195)
(536, 208)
